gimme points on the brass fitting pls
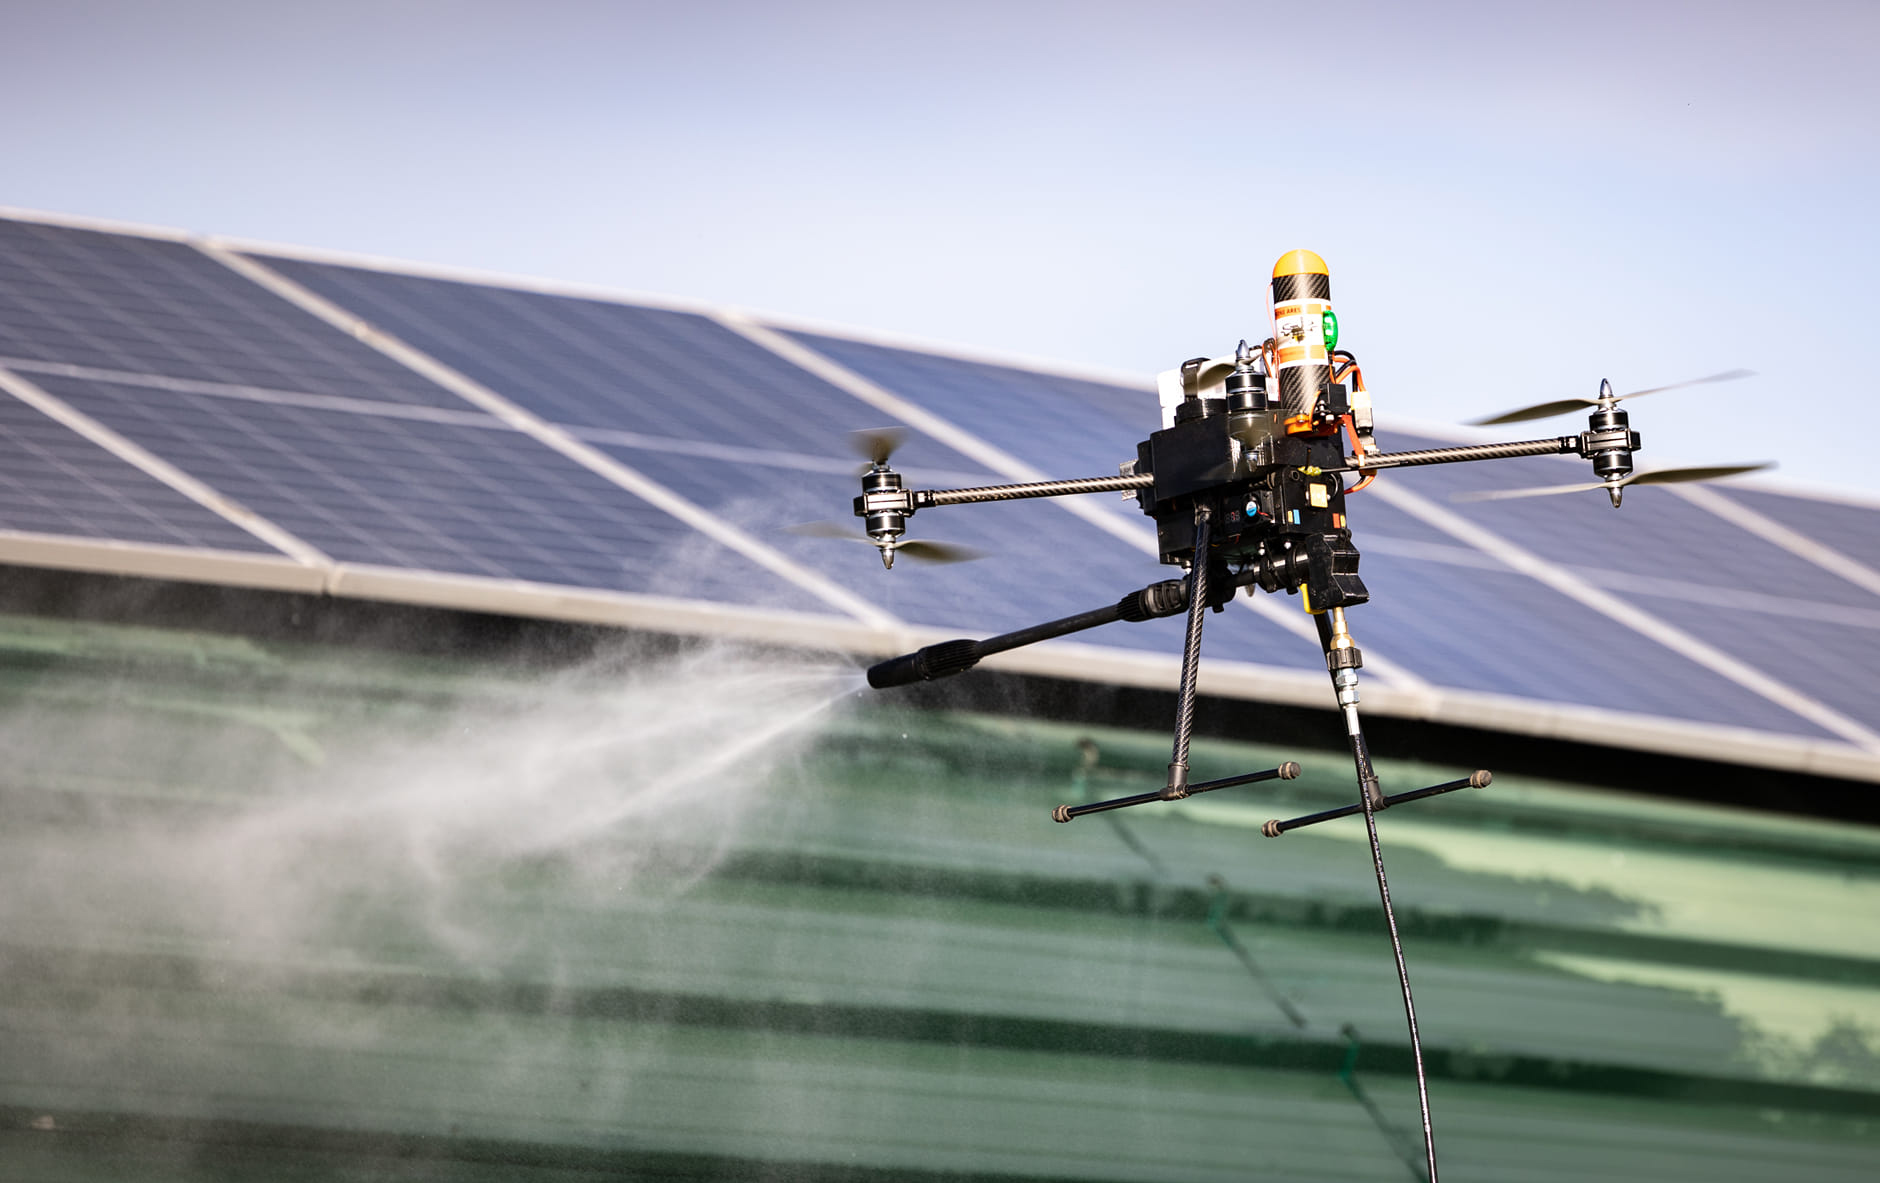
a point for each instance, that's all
(1341, 635)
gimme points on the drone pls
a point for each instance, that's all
(1246, 483)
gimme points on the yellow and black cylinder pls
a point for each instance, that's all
(1304, 334)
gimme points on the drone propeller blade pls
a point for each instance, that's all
(1667, 476)
(1563, 405)
(1510, 494)
(938, 552)
(1539, 411)
(877, 444)
(913, 548)
(824, 530)
(1657, 476)
(1726, 376)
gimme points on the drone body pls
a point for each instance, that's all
(1245, 481)
(1257, 440)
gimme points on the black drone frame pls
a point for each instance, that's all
(1244, 495)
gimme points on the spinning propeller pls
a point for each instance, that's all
(877, 445)
(1609, 444)
(1661, 476)
(1606, 399)
(913, 548)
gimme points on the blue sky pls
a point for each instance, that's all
(1515, 200)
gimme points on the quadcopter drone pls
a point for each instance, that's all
(1245, 481)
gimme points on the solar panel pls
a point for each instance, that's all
(1656, 533)
(1851, 529)
(357, 454)
(1067, 426)
(1500, 632)
(600, 364)
(146, 306)
(676, 378)
(1835, 661)
(54, 481)
(428, 496)
(1374, 519)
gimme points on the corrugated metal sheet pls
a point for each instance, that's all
(284, 912)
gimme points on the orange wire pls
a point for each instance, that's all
(1351, 432)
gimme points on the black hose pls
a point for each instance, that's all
(1403, 979)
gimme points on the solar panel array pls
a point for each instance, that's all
(206, 400)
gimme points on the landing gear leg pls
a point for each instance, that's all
(1177, 787)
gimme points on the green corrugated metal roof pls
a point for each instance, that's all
(283, 912)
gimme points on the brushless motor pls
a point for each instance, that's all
(1305, 331)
